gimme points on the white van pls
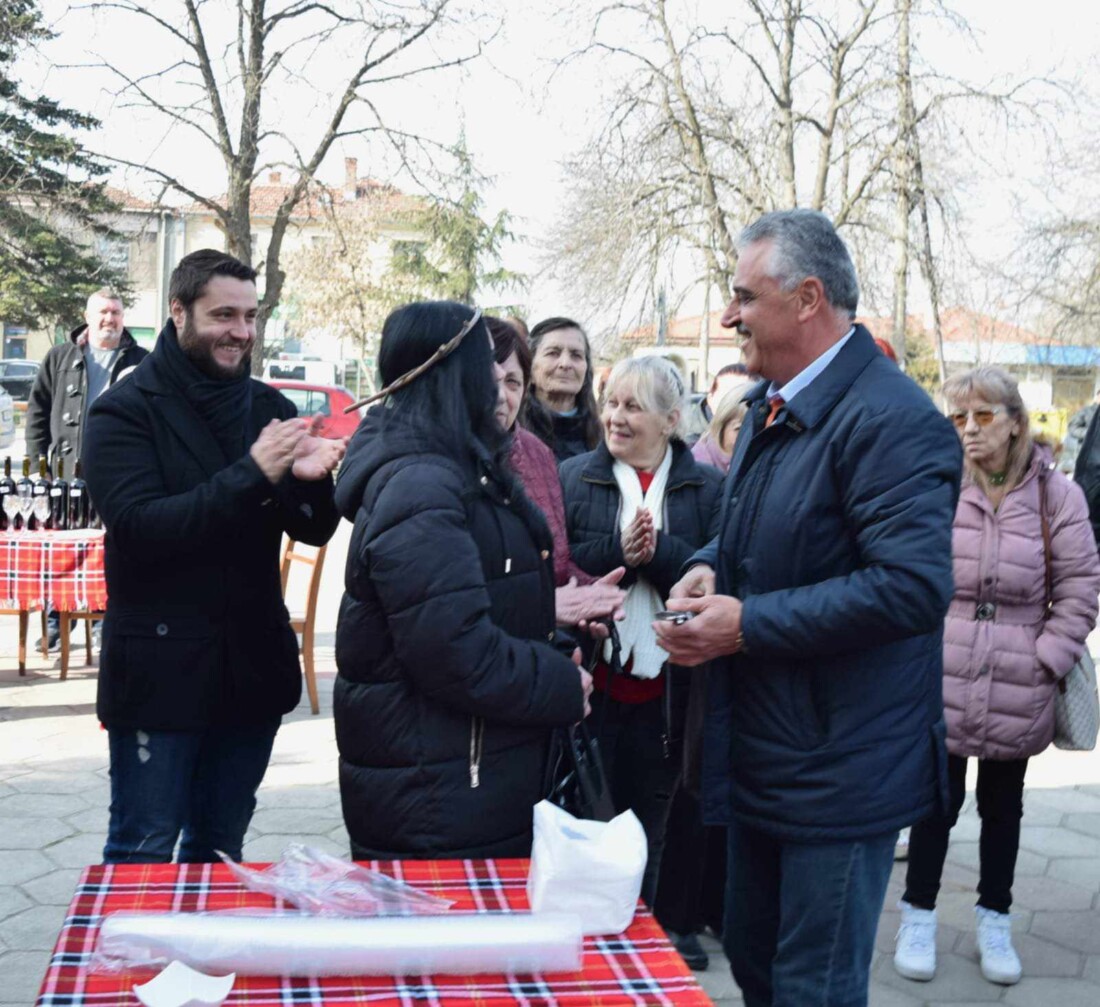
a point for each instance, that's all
(316, 372)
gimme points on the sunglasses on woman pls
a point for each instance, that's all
(983, 417)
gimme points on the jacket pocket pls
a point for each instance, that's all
(170, 667)
(808, 718)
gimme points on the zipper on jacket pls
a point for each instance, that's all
(477, 737)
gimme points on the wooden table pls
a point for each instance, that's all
(639, 967)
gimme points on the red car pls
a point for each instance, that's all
(326, 401)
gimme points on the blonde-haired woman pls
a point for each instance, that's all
(1006, 646)
(715, 447)
(641, 501)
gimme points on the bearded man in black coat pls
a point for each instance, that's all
(197, 471)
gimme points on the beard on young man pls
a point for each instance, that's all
(200, 351)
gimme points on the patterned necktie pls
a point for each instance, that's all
(776, 404)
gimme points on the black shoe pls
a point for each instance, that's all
(53, 640)
(695, 958)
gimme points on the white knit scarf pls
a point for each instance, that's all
(642, 600)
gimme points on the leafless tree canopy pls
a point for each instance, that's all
(227, 67)
(760, 105)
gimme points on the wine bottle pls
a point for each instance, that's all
(79, 504)
(40, 490)
(23, 489)
(7, 488)
(59, 499)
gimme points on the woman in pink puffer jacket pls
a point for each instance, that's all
(1003, 656)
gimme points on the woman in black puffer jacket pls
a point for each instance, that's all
(449, 681)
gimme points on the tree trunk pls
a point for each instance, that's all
(791, 14)
(903, 182)
(928, 264)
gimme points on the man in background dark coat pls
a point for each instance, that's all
(72, 376)
(198, 470)
(821, 603)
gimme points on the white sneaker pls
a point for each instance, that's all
(1000, 963)
(915, 944)
(901, 847)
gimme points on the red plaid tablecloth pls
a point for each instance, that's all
(62, 570)
(638, 967)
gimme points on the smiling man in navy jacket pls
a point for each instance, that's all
(821, 603)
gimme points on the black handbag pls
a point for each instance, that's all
(578, 784)
(576, 780)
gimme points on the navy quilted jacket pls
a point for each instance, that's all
(836, 534)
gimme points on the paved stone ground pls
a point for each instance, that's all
(54, 795)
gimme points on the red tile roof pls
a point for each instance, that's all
(266, 198)
(128, 201)
(959, 325)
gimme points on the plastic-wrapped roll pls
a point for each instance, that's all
(453, 944)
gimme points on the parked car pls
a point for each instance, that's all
(17, 377)
(326, 401)
(7, 421)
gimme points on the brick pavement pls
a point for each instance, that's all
(54, 794)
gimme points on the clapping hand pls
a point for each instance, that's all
(276, 449)
(639, 540)
(315, 457)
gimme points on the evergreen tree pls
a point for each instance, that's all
(48, 195)
(459, 253)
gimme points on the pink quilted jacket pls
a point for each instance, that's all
(1001, 658)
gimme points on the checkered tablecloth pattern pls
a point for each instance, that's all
(62, 570)
(638, 967)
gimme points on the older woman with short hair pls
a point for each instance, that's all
(641, 501)
(1007, 644)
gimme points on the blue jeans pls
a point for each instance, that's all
(199, 783)
(801, 917)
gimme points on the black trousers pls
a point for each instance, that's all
(691, 890)
(642, 776)
(1000, 795)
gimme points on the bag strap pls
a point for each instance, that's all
(1048, 555)
(614, 667)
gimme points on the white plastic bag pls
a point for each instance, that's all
(592, 869)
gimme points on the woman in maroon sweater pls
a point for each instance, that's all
(579, 597)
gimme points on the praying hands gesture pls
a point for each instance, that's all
(639, 539)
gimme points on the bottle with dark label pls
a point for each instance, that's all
(24, 490)
(59, 499)
(9, 502)
(79, 504)
(40, 492)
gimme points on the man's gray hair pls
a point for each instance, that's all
(805, 243)
(106, 293)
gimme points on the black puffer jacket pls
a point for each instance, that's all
(448, 683)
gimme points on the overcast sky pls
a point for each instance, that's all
(519, 122)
